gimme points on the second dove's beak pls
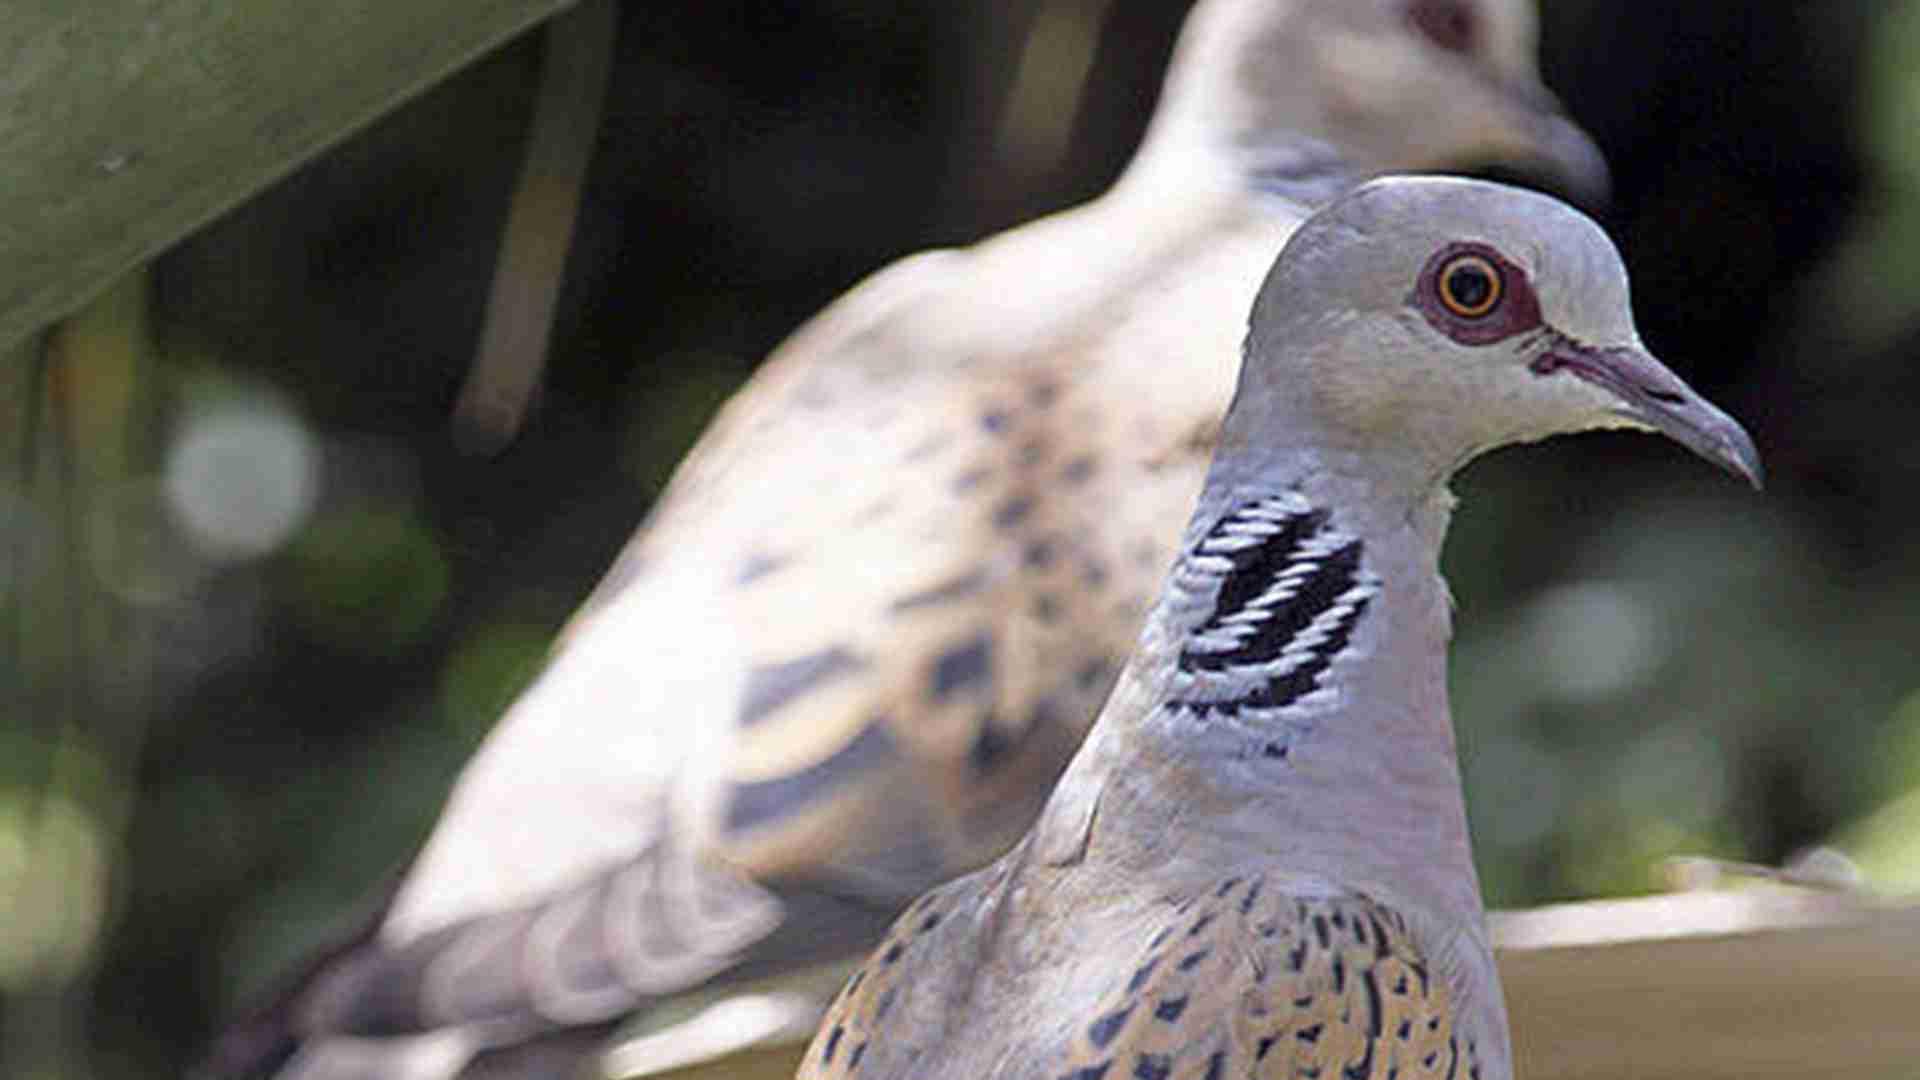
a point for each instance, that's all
(1571, 160)
(1526, 136)
(1655, 398)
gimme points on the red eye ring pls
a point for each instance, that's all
(1450, 24)
(1470, 286)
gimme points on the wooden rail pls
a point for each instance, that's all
(126, 124)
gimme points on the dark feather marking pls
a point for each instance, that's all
(770, 686)
(1141, 974)
(1374, 1012)
(766, 800)
(1153, 1067)
(1380, 947)
(971, 478)
(1046, 608)
(1013, 511)
(1169, 1009)
(1314, 595)
(1253, 571)
(757, 566)
(1361, 1069)
(1102, 1031)
(957, 588)
(962, 666)
(833, 1044)
(988, 748)
(1301, 680)
(1038, 554)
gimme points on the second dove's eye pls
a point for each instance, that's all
(1470, 286)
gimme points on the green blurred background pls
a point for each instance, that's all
(258, 607)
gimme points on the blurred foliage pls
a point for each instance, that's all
(258, 609)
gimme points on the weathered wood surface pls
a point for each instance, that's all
(1752, 983)
(1758, 984)
(126, 124)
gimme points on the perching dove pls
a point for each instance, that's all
(874, 614)
(1258, 865)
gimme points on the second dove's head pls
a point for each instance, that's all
(1419, 321)
(1390, 85)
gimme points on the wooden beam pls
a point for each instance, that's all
(1753, 983)
(1756, 984)
(126, 124)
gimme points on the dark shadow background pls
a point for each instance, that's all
(1651, 660)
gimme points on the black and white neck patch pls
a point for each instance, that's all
(1287, 591)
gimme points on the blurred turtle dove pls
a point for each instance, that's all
(873, 615)
(1258, 864)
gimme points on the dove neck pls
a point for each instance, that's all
(1320, 741)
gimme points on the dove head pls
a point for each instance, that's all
(1419, 321)
(1284, 87)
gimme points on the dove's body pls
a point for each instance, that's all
(875, 612)
(1258, 864)
(1259, 877)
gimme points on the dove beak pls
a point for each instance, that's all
(1526, 133)
(1653, 397)
(1571, 160)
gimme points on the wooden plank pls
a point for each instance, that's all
(1753, 983)
(126, 124)
(1756, 983)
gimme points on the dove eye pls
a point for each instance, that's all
(1449, 24)
(1475, 295)
(1470, 286)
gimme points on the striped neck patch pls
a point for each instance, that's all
(1287, 591)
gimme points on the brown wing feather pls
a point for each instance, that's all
(1250, 981)
(898, 994)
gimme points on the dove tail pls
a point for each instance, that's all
(261, 1041)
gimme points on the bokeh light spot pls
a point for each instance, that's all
(241, 478)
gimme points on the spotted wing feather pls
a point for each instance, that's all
(1251, 981)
